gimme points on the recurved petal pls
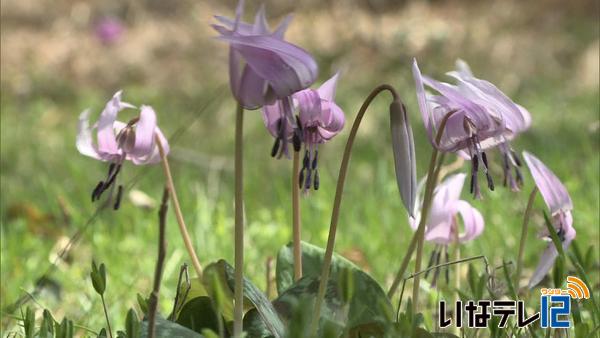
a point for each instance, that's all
(327, 89)
(107, 144)
(309, 106)
(404, 155)
(84, 141)
(334, 117)
(472, 221)
(547, 261)
(260, 22)
(444, 198)
(286, 67)
(551, 188)
(154, 155)
(144, 132)
(272, 115)
(280, 30)
(422, 99)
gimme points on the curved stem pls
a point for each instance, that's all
(526, 217)
(337, 202)
(427, 197)
(238, 310)
(296, 217)
(177, 209)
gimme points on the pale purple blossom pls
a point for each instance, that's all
(262, 66)
(319, 119)
(118, 141)
(442, 226)
(517, 118)
(482, 117)
(559, 203)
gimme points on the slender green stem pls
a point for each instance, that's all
(177, 209)
(526, 217)
(429, 187)
(337, 202)
(238, 311)
(296, 217)
(106, 316)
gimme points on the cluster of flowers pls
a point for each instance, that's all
(266, 72)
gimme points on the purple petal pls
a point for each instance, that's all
(261, 27)
(422, 99)
(286, 67)
(552, 190)
(472, 221)
(144, 132)
(107, 144)
(444, 198)
(327, 89)
(84, 141)
(335, 118)
(279, 32)
(548, 258)
(154, 155)
(252, 89)
(271, 115)
(309, 105)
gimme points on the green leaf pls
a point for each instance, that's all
(258, 299)
(254, 326)
(368, 308)
(132, 324)
(199, 314)
(143, 303)
(29, 323)
(168, 329)
(102, 333)
(554, 236)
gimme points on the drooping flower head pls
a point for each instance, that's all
(517, 119)
(319, 119)
(262, 66)
(118, 141)
(442, 225)
(480, 117)
(559, 203)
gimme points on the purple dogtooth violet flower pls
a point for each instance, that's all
(118, 141)
(559, 203)
(442, 226)
(481, 117)
(262, 66)
(516, 117)
(318, 120)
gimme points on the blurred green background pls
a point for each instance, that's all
(543, 54)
